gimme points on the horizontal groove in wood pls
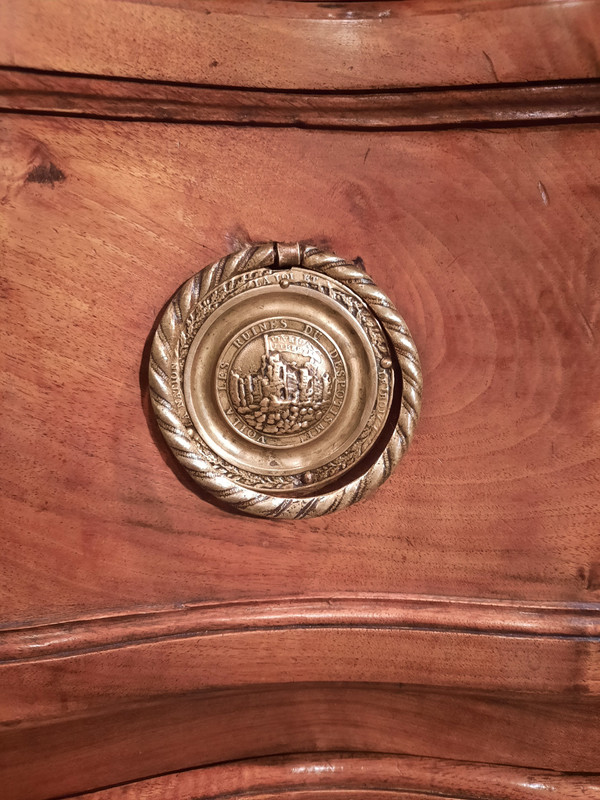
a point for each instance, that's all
(508, 618)
(312, 776)
(40, 93)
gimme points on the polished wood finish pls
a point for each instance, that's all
(495, 271)
(450, 615)
(361, 778)
(101, 600)
(71, 753)
(103, 663)
(127, 100)
(453, 617)
(308, 45)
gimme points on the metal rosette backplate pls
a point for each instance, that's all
(284, 381)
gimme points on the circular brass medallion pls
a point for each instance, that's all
(282, 379)
(286, 380)
(272, 379)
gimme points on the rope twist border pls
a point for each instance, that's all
(175, 425)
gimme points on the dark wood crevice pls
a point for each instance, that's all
(134, 100)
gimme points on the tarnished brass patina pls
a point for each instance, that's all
(284, 381)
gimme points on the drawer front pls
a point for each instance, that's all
(486, 241)
(452, 617)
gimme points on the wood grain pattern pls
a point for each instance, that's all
(73, 753)
(306, 45)
(487, 242)
(455, 616)
(72, 96)
(124, 593)
(136, 657)
(83, 682)
(362, 778)
(448, 614)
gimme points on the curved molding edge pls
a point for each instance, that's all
(364, 776)
(82, 667)
(30, 92)
(386, 611)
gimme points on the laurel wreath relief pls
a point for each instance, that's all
(173, 338)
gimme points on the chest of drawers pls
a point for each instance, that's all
(439, 638)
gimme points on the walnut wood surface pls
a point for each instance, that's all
(73, 96)
(84, 682)
(124, 593)
(486, 241)
(143, 629)
(120, 660)
(73, 753)
(306, 45)
(335, 776)
(397, 611)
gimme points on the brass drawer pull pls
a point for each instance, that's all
(285, 381)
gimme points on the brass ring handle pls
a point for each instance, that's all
(285, 381)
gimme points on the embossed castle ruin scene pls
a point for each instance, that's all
(288, 392)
